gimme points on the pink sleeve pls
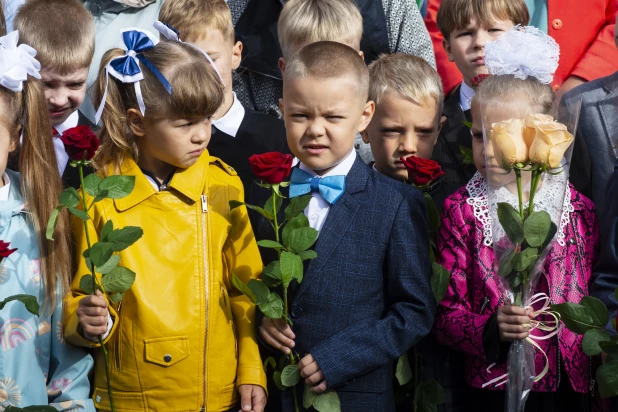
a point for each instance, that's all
(457, 325)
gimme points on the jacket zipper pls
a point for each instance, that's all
(117, 338)
(484, 305)
(205, 262)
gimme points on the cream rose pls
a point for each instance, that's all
(507, 138)
(548, 140)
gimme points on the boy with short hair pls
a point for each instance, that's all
(466, 25)
(62, 33)
(366, 298)
(237, 133)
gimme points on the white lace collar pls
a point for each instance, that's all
(477, 188)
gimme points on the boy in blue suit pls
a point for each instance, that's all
(366, 298)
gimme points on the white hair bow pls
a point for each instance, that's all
(16, 62)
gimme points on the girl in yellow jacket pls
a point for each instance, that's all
(182, 338)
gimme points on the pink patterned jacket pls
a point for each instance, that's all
(473, 295)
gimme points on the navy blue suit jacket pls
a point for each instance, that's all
(366, 298)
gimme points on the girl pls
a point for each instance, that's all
(182, 338)
(37, 367)
(475, 316)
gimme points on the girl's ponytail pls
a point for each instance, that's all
(41, 185)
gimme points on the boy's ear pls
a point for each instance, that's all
(447, 49)
(442, 121)
(365, 135)
(367, 115)
(236, 55)
(136, 122)
(362, 54)
(281, 108)
(281, 64)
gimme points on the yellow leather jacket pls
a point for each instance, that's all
(183, 338)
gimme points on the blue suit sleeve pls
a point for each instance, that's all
(362, 348)
(68, 386)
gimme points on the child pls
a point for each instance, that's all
(182, 337)
(466, 25)
(65, 49)
(237, 133)
(38, 368)
(366, 298)
(475, 317)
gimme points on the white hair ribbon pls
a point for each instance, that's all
(16, 62)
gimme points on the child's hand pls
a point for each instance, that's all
(252, 398)
(278, 334)
(92, 314)
(311, 372)
(514, 322)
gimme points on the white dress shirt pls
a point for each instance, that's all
(318, 208)
(4, 190)
(61, 153)
(466, 93)
(230, 122)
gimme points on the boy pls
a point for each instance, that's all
(466, 25)
(366, 298)
(237, 133)
(62, 33)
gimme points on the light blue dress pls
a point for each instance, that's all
(36, 366)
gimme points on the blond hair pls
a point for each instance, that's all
(539, 96)
(307, 21)
(193, 18)
(61, 31)
(407, 76)
(25, 113)
(2, 19)
(457, 14)
(326, 60)
(197, 92)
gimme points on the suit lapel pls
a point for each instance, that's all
(609, 113)
(340, 217)
(452, 132)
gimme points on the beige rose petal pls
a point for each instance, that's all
(508, 143)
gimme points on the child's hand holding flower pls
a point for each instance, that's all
(311, 372)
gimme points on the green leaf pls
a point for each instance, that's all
(403, 373)
(271, 275)
(290, 375)
(89, 264)
(242, 287)
(525, 259)
(552, 232)
(268, 206)
(536, 228)
(467, 123)
(308, 397)
(296, 222)
(100, 253)
(327, 402)
(125, 237)
(270, 244)
(51, 223)
(119, 280)
(235, 203)
(260, 291)
(79, 213)
(297, 205)
(598, 309)
(468, 157)
(307, 255)
(607, 378)
(440, 279)
(91, 184)
(511, 222)
(29, 301)
(291, 268)
(429, 395)
(611, 348)
(578, 318)
(85, 284)
(592, 337)
(115, 297)
(69, 197)
(273, 308)
(301, 239)
(107, 229)
(109, 265)
(270, 361)
(277, 380)
(117, 186)
(506, 263)
(433, 214)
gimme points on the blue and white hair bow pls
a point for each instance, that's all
(127, 68)
(171, 33)
(16, 62)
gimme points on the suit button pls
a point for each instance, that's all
(167, 358)
(357, 145)
(556, 24)
(297, 312)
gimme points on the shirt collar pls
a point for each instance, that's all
(343, 168)
(69, 123)
(5, 190)
(230, 122)
(466, 93)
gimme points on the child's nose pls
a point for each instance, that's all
(315, 129)
(481, 37)
(408, 143)
(202, 134)
(58, 97)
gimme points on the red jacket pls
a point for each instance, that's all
(583, 30)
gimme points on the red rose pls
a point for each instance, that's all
(78, 140)
(271, 167)
(477, 80)
(5, 252)
(421, 172)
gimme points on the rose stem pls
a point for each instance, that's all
(519, 193)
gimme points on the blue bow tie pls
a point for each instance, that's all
(330, 188)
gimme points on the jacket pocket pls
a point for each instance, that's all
(167, 351)
(123, 401)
